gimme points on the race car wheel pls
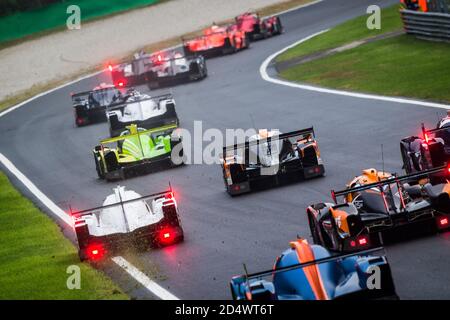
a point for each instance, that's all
(152, 85)
(99, 168)
(111, 161)
(314, 230)
(277, 28)
(82, 255)
(406, 159)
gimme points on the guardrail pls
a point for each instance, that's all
(427, 25)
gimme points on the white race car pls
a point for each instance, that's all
(145, 111)
(127, 218)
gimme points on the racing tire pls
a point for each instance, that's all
(406, 159)
(82, 255)
(314, 230)
(278, 28)
(99, 168)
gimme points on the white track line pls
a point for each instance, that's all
(153, 287)
(47, 92)
(265, 76)
(296, 8)
(144, 280)
(57, 211)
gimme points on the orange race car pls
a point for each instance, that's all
(217, 40)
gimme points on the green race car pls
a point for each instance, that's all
(138, 151)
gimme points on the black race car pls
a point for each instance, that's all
(89, 107)
(127, 219)
(380, 210)
(270, 158)
(429, 151)
(160, 69)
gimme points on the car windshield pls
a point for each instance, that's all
(104, 97)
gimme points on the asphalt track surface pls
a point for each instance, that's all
(223, 232)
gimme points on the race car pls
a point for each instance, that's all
(429, 151)
(217, 40)
(127, 218)
(143, 110)
(380, 211)
(138, 151)
(311, 272)
(90, 106)
(169, 67)
(174, 67)
(271, 158)
(258, 28)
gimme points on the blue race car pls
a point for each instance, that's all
(310, 272)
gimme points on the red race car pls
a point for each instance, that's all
(259, 28)
(217, 40)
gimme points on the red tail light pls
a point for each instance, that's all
(169, 195)
(362, 241)
(166, 236)
(121, 83)
(448, 169)
(426, 138)
(95, 252)
(110, 67)
(443, 222)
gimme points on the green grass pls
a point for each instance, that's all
(347, 32)
(34, 255)
(54, 16)
(399, 66)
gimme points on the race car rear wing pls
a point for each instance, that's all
(259, 275)
(394, 179)
(80, 96)
(190, 38)
(303, 133)
(168, 193)
(426, 132)
(144, 132)
(122, 104)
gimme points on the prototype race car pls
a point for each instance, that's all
(310, 272)
(143, 110)
(138, 151)
(259, 28)
(269, 159)
(379, 210)
(127, 218)
(160, 69)
(90, 106)
(217, 40)
(430, 151)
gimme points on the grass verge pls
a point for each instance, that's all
(347, 32)
(53, 17)
(398, 66)
(34, 255)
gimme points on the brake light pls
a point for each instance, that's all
(169, 195)
(110, 67)
(95, 252)
(121, 83)
(362, 241)
(166, 236)
(443, 222)
(448, 169)
(426, 138)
